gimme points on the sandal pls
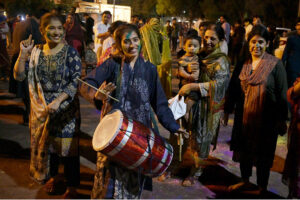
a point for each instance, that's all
(189, 181)
(50, 186)
(164, 176)
(70, 194)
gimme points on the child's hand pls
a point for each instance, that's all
(192, 67)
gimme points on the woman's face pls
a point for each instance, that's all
(257, 46)
(210, 39)
(54, 32)
(131, 44)
(70, 19)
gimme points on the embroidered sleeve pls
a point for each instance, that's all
(74, 65)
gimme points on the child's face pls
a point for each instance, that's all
(192, 47)
(91, 45)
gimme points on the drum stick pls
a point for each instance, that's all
(97, 89)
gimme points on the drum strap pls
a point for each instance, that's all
(154, 122)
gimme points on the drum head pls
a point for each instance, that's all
(107, 130)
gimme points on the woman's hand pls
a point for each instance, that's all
(185, 90)
(53, 106)
(107, 89)
(26, 45)
(183, 132)
(225, 119)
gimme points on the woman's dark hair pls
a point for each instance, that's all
(121, 30)
(114, 26)
(46, 18)
(259, 30)
(218, 29)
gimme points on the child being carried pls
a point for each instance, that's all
(186, 75)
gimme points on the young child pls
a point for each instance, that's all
(191, 46)
(90, 57)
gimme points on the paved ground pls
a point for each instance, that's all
(219, 173)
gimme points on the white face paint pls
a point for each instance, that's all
(257, 46)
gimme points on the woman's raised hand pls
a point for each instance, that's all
(27, 45)
(107, 89)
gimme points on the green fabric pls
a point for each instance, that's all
(150, 39)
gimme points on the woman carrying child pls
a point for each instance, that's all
(204, 115)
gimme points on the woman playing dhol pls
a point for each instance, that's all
(135, 82)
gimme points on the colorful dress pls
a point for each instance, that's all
(48, 77)
(139, 91)
(291, 174)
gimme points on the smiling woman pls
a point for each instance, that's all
(135, 82)
(259, 98)
(54, 120)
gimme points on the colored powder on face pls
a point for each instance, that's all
(139, 47)
(48, 35)
(128, 35)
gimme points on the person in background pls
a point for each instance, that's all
(279, 51)
(90, 57)
(74, 34)
(292, 162)
(89, 24)
(291, 55)
(135, 20)
(54, 120)
(248, 27)
(226, 27)
(237, 42)
(174, 34)
(257, 95)
(107, 47)
(4, 58)
(101, 32)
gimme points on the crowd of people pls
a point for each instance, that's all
(222, 69)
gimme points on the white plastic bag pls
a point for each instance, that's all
(178, 107)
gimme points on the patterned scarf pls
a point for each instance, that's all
(254, 87)
(39, 121)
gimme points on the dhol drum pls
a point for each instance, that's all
(132, 144)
